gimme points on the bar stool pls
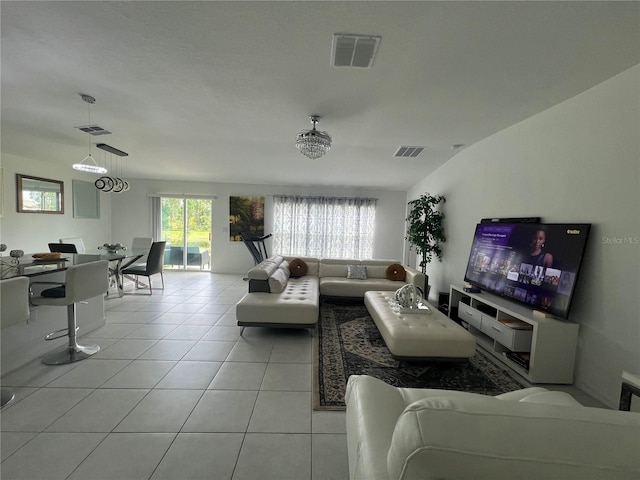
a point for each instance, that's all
(14, 309)
(83, 281)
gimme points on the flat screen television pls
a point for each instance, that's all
(533, 263)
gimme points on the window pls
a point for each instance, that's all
(324, 226)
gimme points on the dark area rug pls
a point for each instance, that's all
(347, 342)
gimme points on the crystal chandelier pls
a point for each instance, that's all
(313, 143)
(88, 164)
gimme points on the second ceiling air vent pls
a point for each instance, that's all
(93, 130)
(349, 50)
(405, 151)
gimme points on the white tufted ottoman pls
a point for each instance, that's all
(418, 335)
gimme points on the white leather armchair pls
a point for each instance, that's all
(401, 433)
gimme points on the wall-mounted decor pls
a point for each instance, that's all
(86, 200)
(39, 195)
(246, 214)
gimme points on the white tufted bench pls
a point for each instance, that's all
(418, 335)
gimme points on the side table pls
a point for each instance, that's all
(630, 386)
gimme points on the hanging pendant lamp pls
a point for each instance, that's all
(88, 164)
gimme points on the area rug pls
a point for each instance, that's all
(347, 342)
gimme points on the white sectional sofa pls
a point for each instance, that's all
(279, 298)
(405, 434)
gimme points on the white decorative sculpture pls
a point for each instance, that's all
(408, 296)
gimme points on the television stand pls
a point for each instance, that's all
(542, 350)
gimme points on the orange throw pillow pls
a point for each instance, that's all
(298, 267)
(396, 272)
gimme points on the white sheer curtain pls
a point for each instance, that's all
(326, 227)
(156, 218)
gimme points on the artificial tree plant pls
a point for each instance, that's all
(425, 229)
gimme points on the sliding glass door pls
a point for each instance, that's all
(186, 227)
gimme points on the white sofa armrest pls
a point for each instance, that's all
(418, 279)
(475, 437)
(264, 269)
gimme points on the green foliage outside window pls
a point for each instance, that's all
(198, 219)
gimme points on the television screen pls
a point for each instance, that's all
(533, 263)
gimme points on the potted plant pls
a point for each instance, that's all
(425, 230)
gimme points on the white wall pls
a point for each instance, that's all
(131, 216)
(32, 232)
(576, 162)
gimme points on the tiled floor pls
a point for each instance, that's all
(175, 393)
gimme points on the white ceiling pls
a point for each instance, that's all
(216, 91)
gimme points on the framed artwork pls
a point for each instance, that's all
(86, 200)
(246, 214)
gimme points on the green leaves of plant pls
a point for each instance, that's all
(425, 229)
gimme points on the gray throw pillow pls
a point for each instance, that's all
(358, 272)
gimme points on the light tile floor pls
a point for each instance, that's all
(176, 393)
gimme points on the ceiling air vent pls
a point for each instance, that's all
(408, 152)
(93, 130)
(354, 50)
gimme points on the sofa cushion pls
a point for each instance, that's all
(377, 271)
(336, 269)
(278, 279)
(357, 272)
(298, 267)
(396, 272)
(345, 287)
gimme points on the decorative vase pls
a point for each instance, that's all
(408, 296)
(112, 247)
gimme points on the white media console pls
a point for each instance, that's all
(507, 329)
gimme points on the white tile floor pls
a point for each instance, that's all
(175, 393)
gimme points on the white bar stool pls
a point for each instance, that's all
(82, 282)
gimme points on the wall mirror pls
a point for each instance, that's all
(39, 195)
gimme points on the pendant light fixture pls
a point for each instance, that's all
(313, 143)
(88, 164)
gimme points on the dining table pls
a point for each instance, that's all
(29, 266)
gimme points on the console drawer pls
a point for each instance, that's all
(514, 340)
(470, 315)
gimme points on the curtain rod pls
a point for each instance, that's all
(181, 195)
(319, 196)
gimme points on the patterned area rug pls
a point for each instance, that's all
(347, 342)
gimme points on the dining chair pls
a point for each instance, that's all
(14, 309)
(139, 243)
(63, 247)
(154, 265)
(83, 281)
(77, 241)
